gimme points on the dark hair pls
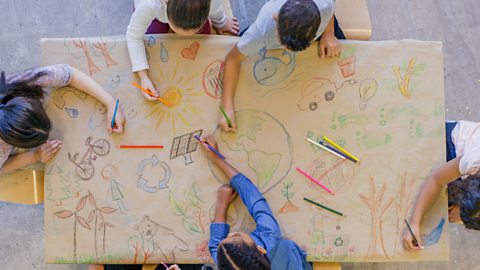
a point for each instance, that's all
(23, 121)
(466, 194)
(298, 22)
(188, 14)
(239, 255)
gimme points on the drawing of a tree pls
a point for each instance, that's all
(57, 190)
(98, 212)
(76, 220)
(194, 217)
(288, 194)
(402, 206)
(377, 209)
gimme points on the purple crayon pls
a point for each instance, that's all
(209, 147)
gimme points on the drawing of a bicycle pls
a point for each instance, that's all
(84, 168)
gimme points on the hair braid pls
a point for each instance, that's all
(240, 256)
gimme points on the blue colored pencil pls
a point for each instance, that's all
(115, 113)
(209, 147)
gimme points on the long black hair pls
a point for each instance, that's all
(23, 120)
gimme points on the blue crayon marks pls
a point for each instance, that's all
(270, 70)
(434, 236)
(163, 53)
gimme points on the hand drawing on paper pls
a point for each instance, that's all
(251, 149)
(84, 168)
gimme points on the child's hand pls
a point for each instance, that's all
(225, 195)
(328, 45)
(174, 267)
(119, 119)
(231, 26)
(224, 123)
(47, 151)
(407, 237)
(208, 139)
(146, 83)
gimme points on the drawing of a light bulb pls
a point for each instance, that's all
(367, 90)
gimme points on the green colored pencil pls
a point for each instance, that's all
(324, 207)
(226, 117)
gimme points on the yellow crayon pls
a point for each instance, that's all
(341, 149)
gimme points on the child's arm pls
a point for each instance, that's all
(219, 228)
(231, 72)
(427, 196)
(141, 19)
(252, 198)
(328, 45)
(85, 83)
(220, 21)
(43, 153)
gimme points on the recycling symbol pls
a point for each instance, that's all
(153, 185)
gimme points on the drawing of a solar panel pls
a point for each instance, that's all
(184, 145)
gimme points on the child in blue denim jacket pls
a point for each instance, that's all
(264, 248)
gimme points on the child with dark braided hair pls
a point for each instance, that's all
(262, 249)
(24, 123)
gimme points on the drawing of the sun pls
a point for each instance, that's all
(179, 92)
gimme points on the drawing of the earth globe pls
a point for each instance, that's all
(261, 149)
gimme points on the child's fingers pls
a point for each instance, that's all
(321, 49)
(148, 97)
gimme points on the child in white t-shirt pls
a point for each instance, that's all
(463, 161)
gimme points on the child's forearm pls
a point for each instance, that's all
(18, 161)
(85, 83)
(231, 73)
(427, 196)
(330, 29)
(220, 213)
(225, 167)
(433, 186)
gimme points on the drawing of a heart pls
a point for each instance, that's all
(191, 52)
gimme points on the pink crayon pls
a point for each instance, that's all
(315, 181)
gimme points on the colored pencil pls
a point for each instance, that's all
(414, 240)
(123, 146)
(338, 151)
(114, 114)
(341, 149)
(226, 117)
(315, 181)
(148, 92)
(324, 148)
(324, 207)
(164, 265)
(209, 147)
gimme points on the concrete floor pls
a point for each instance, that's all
(456, 23)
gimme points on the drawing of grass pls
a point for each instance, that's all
(110, 258)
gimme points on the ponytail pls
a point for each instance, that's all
(23, 121)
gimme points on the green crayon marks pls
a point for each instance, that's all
(344, 120)
(369, 141)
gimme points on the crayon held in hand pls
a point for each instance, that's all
(226, 117)
(114, 114)
(148, 92)
(209, 147)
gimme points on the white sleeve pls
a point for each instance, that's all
(470, 162)
(141, 19)
(219, 19)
